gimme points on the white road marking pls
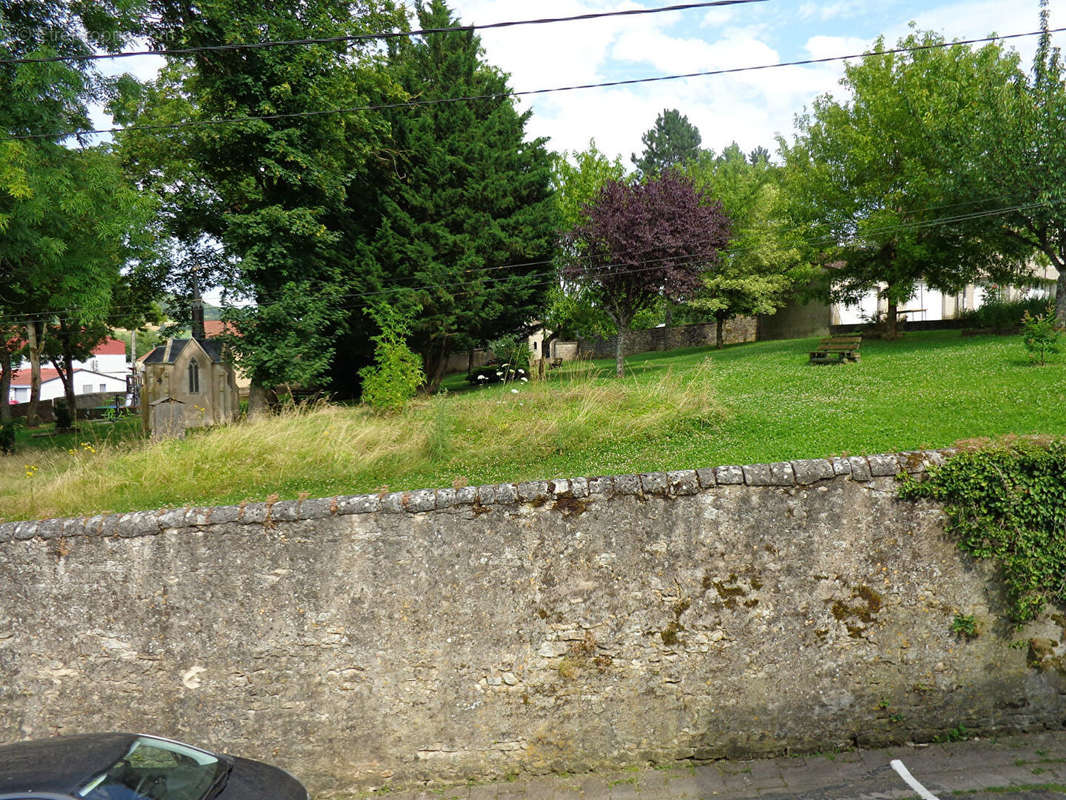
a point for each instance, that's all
(909, 779)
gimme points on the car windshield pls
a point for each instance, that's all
(155, 769)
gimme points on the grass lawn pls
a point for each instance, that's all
(690, 408)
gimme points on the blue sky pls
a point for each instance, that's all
(750, 108)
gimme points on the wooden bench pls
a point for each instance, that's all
(837, 349)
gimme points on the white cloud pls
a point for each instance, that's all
(828, 11)
(831, 46)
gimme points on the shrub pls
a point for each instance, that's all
(1002, 315)
(1008, 504)
(511, 363)
(7, 438)
(396, 374)
(1040, 334)
(64, 419)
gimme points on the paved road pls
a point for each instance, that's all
(1029, 767)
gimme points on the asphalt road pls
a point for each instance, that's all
(1023, 767)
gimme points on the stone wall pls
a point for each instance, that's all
(562, 625)
(740, 329)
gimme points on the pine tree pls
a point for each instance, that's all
(672, 142)
(468, 203)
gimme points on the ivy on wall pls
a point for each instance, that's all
(1008, 503)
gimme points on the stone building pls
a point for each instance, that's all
(188, 383)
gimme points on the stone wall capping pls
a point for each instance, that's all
(758, 475)
(729, 476)
(254, 514)
(445, 498)
(706, 478)
(813, 470)
(841, 466)
(601, 485)
(782, 474)
(675, 483)
(466, 495)
(53, 528)
(860, 469)
(281, 511)
(533, 491)
(653, 483)
(683, 482)
(883, 465)
(25, 530)
(506, 493)
(420, 500)
(560, 487)
(393, 502)
(223, 515)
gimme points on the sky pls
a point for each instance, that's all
(750, 108)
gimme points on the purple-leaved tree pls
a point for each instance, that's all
(640, 241)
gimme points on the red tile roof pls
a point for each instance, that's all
(216, 327)
(110, 347)
(22, 377)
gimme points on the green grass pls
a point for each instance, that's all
(691, 408)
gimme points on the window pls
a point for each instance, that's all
(87, 388)
(155, 768)
(103, 387)
(194, 378)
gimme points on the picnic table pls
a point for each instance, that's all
(837, 349)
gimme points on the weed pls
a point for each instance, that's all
(964, 626)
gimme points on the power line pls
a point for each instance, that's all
(646, 265)
(525, 93)
(365, 37)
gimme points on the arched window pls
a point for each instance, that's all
(194, 378)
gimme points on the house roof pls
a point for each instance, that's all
(22, 376)
(212, 347)
(216, 327)
(110, 347)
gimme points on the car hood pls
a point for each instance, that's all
(251, 780)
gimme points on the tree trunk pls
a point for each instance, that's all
(1060, 296)
(35, 341)
(620, 351)
(257, 401)
(6, 368)
(435, 366)
(719, 332)
(65, 368)
(892, 320)
(470, 361)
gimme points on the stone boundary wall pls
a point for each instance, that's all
(735, 331)
(470, 633)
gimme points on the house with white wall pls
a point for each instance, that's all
(105, 371)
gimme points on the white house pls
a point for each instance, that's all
(105, 371)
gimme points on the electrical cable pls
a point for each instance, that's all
(524, 93)
(364, 37)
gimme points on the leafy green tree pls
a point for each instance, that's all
(871, 181)
(762, 263)
(577, 179)
(394, 377)
(1013, 159)
(639, 242)
(467, 220)
(672, 142)
(273, 192)
(64, 214)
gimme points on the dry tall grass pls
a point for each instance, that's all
(495, 433)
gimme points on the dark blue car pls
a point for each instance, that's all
(124, 766)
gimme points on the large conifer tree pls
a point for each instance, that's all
(467, 199)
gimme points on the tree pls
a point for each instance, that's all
(59, 231)
(762, 263)
(1014, 159)
(638, 242)
(273, 192)
(467, 221)
(877, 194)
(577, 179)
(672, 142)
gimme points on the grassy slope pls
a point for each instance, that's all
(749, 403)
